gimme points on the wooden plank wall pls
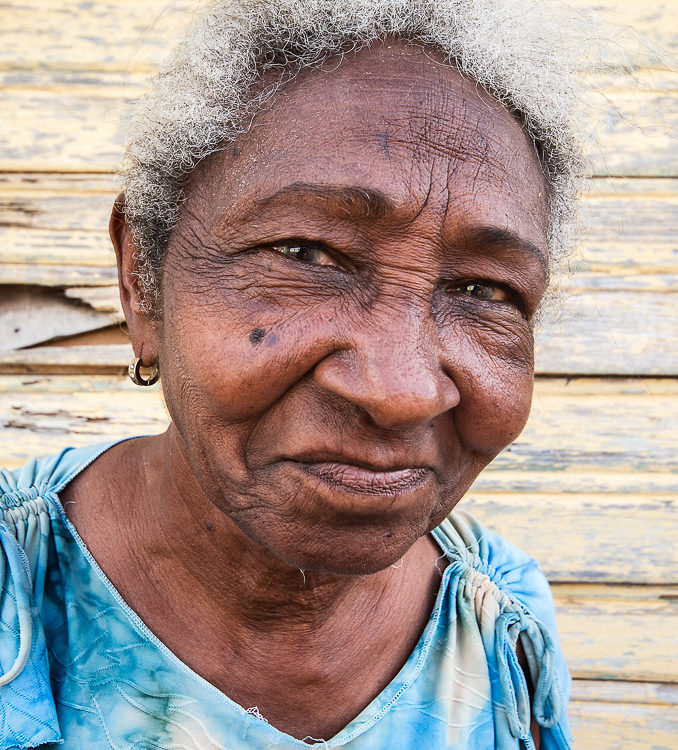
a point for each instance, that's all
(589, 488)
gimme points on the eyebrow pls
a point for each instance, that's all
(357, 202)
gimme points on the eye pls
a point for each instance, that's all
(306, 252)
(484, 290)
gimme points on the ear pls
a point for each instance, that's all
(142, 328)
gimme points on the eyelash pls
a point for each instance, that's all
(513, 296)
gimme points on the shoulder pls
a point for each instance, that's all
(510, 568)
(49, 474)
(28, 511)
(30, 516)
(523, 602)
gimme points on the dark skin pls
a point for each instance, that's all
(344, 342)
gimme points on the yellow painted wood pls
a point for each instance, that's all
(102, 298)
(629, 238)
(612, 714)
(29, 317)
(92, 360)
(585, 533)
(590, 501)
(79, 127)
(619, 632)
(98, 36)
(597, 332)
(602, 332)
(621, 691)
(53, 232)
(632, 21)
(128, 34)
(611, 726)
(58, 276)
(566, 436)
(72, 129)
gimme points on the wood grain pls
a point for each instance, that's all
(629, 240)
(53, 233)
(584, 536)
(611, 333)
(133, 35)
(600, 497)
(100, 36)
(610, 726)
(599, 333)
(619, 632)
(79, 125)
(29, 316)
(609, 715)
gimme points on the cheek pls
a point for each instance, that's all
(235, 358)
(492, 365)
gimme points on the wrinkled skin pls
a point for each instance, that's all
(344, 343)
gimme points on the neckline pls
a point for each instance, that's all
(368, 717)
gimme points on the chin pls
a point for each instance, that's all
(341, 546)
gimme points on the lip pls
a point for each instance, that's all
(369, 481)
(377, 461)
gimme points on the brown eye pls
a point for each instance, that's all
(306, 253)
(484, 291)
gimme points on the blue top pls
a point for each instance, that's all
(82, 671)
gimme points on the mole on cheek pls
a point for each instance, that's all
(257, 335)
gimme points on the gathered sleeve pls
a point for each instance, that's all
(27, 712)
(512, 602)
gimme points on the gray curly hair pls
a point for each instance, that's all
(520, 51)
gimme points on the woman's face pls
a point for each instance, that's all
(346, 339)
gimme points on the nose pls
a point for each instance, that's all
(394, 371)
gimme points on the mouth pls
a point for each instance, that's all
(359, 479)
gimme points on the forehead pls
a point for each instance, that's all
(398, 120)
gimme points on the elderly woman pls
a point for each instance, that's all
(336, 230)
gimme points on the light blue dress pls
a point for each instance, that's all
(82, 672)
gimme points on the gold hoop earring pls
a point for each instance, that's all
(134, 371)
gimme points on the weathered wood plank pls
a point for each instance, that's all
(629, 238)
(80, 129)
(127, 34)
(621, 691)
(635, 133)
(611, 332)
(30, 316)
(619, 632)
(59, 276)
(61, 247)
(586, 535)
(633, 22)
(611, 726)
(598, 333)
(100, 36)
(92, 360)
(102, 298)
(584, 497)
(611, 714)
(53, 232)
(76, 126)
